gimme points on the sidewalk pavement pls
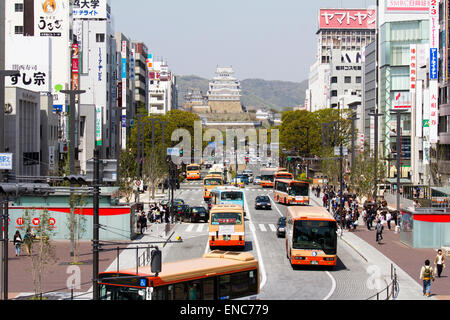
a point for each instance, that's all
(59, 273)
(407, 261)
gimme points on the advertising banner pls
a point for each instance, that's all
(407, 6)
(347, 19)
(98, 126)
(51, 17)
(91, 9)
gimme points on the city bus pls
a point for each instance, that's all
(217, 275)
(227, 195)
(193, 172)
(284, 175)
(311, 237)
(226, 226)
(291, 192)
(268, 177)
(209, 183)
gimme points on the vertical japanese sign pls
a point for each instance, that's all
(124, 94)
(412, 68)
(75, 67)
(51, 157)
(98, 126)
(434, 93)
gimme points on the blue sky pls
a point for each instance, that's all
(267, 39)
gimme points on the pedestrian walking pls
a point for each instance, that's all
(388, 219)
(28, 240)
(143, 222)
(439, 262)
(17, 241)
(379, 230)
(427, 275)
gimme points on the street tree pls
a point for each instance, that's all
(42, 251)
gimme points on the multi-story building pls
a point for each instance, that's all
(22, 130)
(337, 72)
(37, 42)
(224, 94)
(140, 52)
(96, 50)
(162, 88)
(125, 88)
(404, 37)
(442, 161)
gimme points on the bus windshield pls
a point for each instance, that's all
(213, 182)
(315, 235)
(231, 196)
(284, 176)
(299, 190)
(226, 218)
(193, 168)
(267, 178)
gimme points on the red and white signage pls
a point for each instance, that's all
(347, 19)
(400, 6)
(434, 112)
(36, 221)
(402, 100)
(434, 23)
(412, 68)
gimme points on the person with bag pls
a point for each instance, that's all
(17, 241)
(427, 275)
(439, 262)
(28, 240)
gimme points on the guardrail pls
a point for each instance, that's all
(391, 291)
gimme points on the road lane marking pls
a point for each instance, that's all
(263, 228)
(272, 227)
(252, 226)
(189, 228)
(262, 268)
(333, 286)
(275, 206)
(200, 228)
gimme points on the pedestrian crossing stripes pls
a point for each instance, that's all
(203, 227)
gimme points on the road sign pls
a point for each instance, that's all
(6, 161)
(173, 151)
(337, 151)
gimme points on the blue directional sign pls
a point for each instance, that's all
(434, 63)
(6, 161)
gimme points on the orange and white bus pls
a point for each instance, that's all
(226, 226)
(211, 182)
(268, 177)
(284, 175)
(218, 275)
(311, 237)
(291, 192)
(193, 172)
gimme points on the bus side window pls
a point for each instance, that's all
(160, 293)
(170, 292)
(194, 290)
(208, 289)
(239, 284)
(224, 287)
(180, 292)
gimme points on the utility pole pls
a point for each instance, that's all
(96, 224)
(5, 219)
(72, 94)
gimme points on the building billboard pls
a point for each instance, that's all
(91, 9)
(51, 17)
(34, 69)
(124, 94)
(347, 19)
(407, 6)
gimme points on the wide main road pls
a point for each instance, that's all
(279, 281)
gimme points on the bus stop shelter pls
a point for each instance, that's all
(425, 228)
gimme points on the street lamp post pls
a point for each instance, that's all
(72, 94)
(375, 114)
(399, 152)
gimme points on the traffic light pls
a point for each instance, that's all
(19, 189)
(156, 261)
(289, 159)
(76, 179)
(181, 152)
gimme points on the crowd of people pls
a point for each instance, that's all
(158, 213)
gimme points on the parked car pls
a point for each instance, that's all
(243, 178)
(182, 211)
(263, 202)
(198, 213)
(281, 228)
(257, 180)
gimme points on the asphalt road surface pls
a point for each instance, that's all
(279, 280)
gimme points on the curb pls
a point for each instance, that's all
(354, 248)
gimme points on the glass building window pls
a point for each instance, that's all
(348, 79)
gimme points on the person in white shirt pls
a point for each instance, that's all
(439, 262)
(388, 219)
